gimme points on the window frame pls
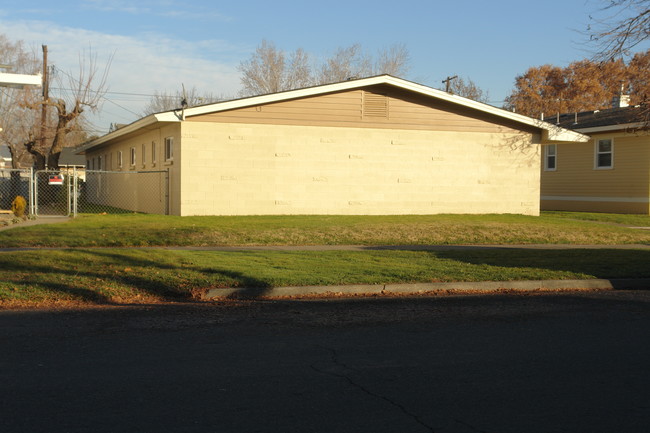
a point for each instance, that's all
(133, 157)
(144, 154)
(153, 153)
(598, 153)
(120, 160)
(548, 156)
(169, 149)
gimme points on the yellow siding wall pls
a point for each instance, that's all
(243, 169)
(577, 186)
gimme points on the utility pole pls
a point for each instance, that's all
(46, 97)
(448, 83)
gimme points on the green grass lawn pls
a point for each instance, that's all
(123, 275)
(157, 230)
(119, 275)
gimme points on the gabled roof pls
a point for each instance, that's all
(549, 132)
(602, 120)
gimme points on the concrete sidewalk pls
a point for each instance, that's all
(38, 221)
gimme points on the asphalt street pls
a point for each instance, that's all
(562, 362)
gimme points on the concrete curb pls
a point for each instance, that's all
(420, 288)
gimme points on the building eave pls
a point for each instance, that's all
(129, 129)
(550, 133)
(609, 128)
(20, 81)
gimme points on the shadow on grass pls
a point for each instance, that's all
(596, 263)
(69, 277)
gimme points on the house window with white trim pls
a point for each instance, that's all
(605, 153)
(119, 159)
(153, 153)
(550, 157)
(133, 157)
(99, 162)
(144, 154)
(169, 149)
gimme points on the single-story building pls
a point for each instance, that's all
(608, 173)
(378, 145)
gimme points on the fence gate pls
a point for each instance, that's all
(68, 192)
(53, 193)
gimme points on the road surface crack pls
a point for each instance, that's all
(342, 372)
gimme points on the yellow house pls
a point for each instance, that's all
(378, 145)
(609, 173)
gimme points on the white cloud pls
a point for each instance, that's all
(141, 64)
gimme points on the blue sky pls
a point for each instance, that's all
(159, 45)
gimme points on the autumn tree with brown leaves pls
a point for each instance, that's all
(581, 86)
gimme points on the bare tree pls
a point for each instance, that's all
(271, 70)
(18, 121)
(164, 101)
(619, 26)
(268, 71)
(83, 92)
(346, 63)
(468, 89)
(393, 60)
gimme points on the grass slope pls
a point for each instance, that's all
(157, 230)
(119, 275)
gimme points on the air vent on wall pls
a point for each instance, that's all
(375, 105)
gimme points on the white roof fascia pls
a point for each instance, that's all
(551, 132)
(608, 128)
(133, 127)
(20, 81)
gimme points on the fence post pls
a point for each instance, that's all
(36, 193)
(32, 200)
(75, 187)
(167, 206)
(68, 187)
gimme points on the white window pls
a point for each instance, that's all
(550, 157)
(604, 153)
(153, 152)
(119, 159)
(132, 156)
(144, 154)
(169, 149)
(99, 162)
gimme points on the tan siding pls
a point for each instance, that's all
(345, 109)
(576, 176)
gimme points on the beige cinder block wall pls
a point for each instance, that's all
(266, 169)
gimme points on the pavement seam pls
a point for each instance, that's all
(334, 359)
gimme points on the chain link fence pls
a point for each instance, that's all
(72, 191)
(120, 192)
